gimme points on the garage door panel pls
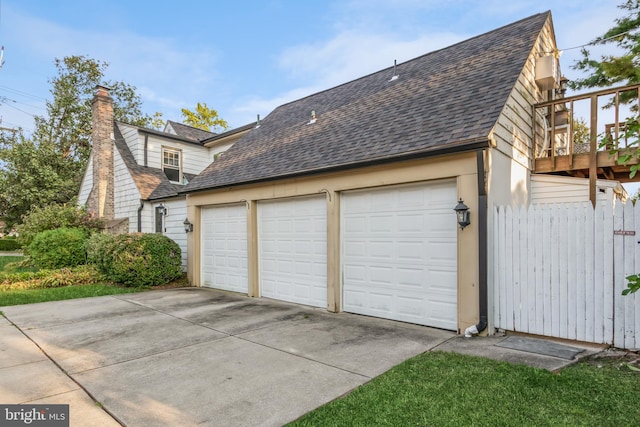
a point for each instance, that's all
(224, 248)
(297, 246)
(399, 253)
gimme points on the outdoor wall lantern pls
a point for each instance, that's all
(188, 227)
(462, 212)
(563, 84)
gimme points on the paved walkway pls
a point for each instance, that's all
(2, 253)
(203, 357)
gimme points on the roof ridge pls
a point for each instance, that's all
(486, 33)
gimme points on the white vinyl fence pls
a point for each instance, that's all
(559, 271)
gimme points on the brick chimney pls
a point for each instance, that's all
(101, 199)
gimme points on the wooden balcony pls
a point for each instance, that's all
(575, 136)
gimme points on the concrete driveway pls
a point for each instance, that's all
(197, 356)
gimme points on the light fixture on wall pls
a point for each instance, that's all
(563, 85)
(462, 212)
(188, 227)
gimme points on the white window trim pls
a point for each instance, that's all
(179, 168)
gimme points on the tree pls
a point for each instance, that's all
(47, 167)
(614, 69)
(618, 69)
(34, 174)
(156, 121)
(204, 118)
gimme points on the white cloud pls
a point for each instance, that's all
(165, 74)
(347, 56)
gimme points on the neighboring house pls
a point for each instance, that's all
(344, 199)
(134, 174)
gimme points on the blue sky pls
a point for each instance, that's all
(245, 58)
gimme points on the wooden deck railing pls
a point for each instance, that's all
(564, 142)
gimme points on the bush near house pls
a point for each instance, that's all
(100, 251)
(55, 216)
(62, 247)
(143, 260)
(9, 245)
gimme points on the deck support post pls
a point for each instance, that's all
(593, 150)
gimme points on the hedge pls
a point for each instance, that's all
(9, 245)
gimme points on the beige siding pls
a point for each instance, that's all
(461, 167)
(511, 161)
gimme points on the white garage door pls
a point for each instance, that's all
(292, 238)
(399, 253)
(224, 248)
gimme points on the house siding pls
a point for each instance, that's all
(174, 224)
(194, 158)
(87, 183)
(218, 149)
(562, 189)
(130, 135)
(127, 196)
(513, 133)
(461, 167)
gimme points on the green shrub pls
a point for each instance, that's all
(54, 216)
(144, 260)
(62, 247)
(100, 251)
(9, 245)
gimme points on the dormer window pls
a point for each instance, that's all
(172, 165)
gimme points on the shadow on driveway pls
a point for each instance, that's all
(196, 356)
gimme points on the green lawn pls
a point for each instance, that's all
(447, 389)
(31, 296)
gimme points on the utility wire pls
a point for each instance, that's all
(22, 93)
(591, 43)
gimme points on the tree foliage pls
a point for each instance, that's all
(47, 167)
(204, 118)
(156, 121)
(614, 69)
(53, 216)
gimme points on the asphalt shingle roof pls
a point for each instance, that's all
(151, 182)
(189, 132)
(443, 101)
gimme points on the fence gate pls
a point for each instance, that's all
(559, 271)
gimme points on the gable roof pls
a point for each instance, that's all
(445, 101)
(189, 132)
(147, 179)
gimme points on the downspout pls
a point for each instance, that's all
(482, 252)
(140, 216)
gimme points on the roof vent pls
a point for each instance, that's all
(258, 122)
(313, 118)
(395, 73)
